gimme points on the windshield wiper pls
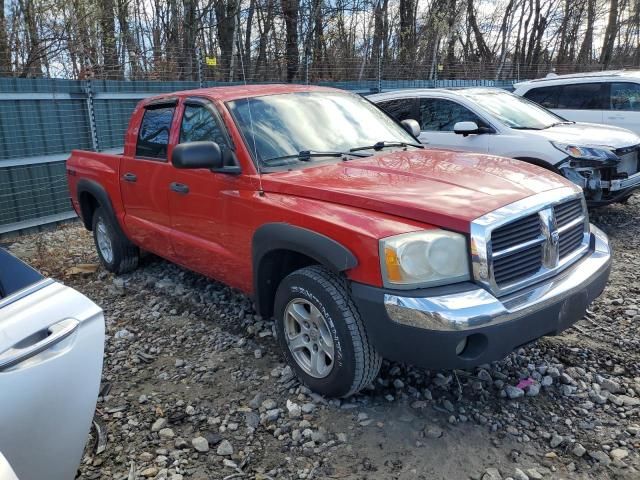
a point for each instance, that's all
(307, 155)
(526, 128)
(380, 145)
(565, 122)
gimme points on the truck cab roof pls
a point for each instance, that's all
(236, 92)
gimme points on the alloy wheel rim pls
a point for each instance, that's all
(104, 242)
(308, 338)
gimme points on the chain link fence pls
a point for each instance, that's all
(43, 119)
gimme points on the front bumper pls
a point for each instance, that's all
(463, 325)
(631, 182)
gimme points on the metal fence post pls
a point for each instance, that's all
(380, 68)
(306, 70)
(91, 115)
(199, 60)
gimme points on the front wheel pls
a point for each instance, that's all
(322, 335)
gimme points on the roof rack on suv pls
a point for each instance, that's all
(604, 73)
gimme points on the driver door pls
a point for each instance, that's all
(204, 230)
(437, 116)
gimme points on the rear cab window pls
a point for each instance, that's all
(153, 136)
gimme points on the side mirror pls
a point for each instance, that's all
(197, 155)
(466, 128)
(411, 126)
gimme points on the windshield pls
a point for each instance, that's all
(514, 111)
(284, 125)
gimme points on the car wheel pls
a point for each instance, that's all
(116, 252)
(625, 199)
(322, 335)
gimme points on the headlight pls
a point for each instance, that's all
(426, 258)
(585, 153)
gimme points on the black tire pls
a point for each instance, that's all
(625, 200)
(125, 255)
(356, 363)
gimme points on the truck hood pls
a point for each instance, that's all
(443, 188)
(588, 134)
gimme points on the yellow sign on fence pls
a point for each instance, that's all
(211, 61)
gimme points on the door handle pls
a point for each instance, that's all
(35, 344)
(179, 188)
(130, 177)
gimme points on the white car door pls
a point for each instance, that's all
(6, 471)
(580, 102)
(583, 102)
(51, 349)
(624, 106)
(437, 116)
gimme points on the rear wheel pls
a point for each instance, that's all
(322, 335)
(116, 252)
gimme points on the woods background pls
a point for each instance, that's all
(314, 40)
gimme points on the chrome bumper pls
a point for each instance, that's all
(479, 308)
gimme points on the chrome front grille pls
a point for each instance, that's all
(571, 240)
(524, 263)
(568, 211)
(529, 240)
(516, 233)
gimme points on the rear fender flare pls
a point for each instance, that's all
(100, 194)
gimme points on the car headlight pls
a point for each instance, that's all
(425, 258)
(585, 153)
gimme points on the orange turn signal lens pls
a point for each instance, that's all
(392, 263)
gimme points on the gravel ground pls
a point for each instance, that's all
(194, 387)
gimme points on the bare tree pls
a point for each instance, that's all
(290, 11)
(610, 34)
(5, 53)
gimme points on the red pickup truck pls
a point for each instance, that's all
(359, 242)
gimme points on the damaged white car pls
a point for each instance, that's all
(603, 160)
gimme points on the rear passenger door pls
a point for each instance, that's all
(143, 180)
(624, 106)
(580, 102)
(583, 102)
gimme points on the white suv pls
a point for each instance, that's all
(612, 98)
(602, 160)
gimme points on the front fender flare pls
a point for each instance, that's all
(273, 237)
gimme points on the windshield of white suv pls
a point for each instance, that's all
(291, 128)
(514, 111)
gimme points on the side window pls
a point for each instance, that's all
(625, 96)
(200, 124)
(582, 96)
(545, 96)
(153, 136)
(441, 115)
(400, 108)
